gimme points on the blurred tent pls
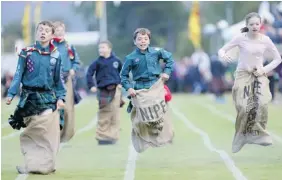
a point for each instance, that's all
(83, 38)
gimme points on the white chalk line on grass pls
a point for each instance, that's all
(5, 125)
(233, 119)
(88, 127)
(19, 132)
(5, 111)
(224, 156)
(12, 135)
(129, 173)
(21, 177)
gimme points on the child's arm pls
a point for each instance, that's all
(90, 72)
(13, 90)
(167, 57)
(119, 65)
(233, 43)
(124, 74)
(60, 90)
(76, 61)
(276, 57)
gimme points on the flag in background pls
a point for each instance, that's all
(26, 25)
(99, 9)
(194, 26)
(37, 13)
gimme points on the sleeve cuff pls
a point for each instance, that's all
(90, 86)
(167, 71)
(10, 95)
(61, 98)
(265, 71)
(127, 87)
(221, 53)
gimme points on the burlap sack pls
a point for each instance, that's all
(40, 142)
(108, 126)
(151, 124)
(251, 96)
(68, 130)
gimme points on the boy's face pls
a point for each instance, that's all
(142, 41)
(60, 32)
(44, 33)
(104, 49)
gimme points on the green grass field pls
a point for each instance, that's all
(201, 149)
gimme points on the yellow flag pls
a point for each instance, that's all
(99, 9)
(26, 25)
(37, 13)
(194, 27)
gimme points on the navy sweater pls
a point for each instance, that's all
(107, 71)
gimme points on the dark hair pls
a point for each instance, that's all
(247, 18)
(47, 23)
(244, 29)
(107, 42)
(142, 31)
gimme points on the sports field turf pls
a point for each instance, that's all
(201, 149)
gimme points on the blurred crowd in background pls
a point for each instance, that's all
(201, 71)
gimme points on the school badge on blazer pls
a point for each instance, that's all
(115, 64)
(53, 61)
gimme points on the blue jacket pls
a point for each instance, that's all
(107, 71)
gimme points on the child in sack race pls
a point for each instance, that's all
(250, 92)
(43, 93)
(151, 126)
(71, 64)
(106, 69)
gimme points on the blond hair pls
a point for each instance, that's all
(109, 44)
(57, 24)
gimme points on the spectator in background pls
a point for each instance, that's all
(278, 17)
(201, 60)
(271, 78)
(217, 83)
(193, 79)
(180, 72)
(274, 29)
(279, 71)
(6, 82)
(188, 78)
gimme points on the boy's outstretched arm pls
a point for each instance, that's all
(90, 72)
(13, 90)
(169, 62)
(119, 65)
(124, 74)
